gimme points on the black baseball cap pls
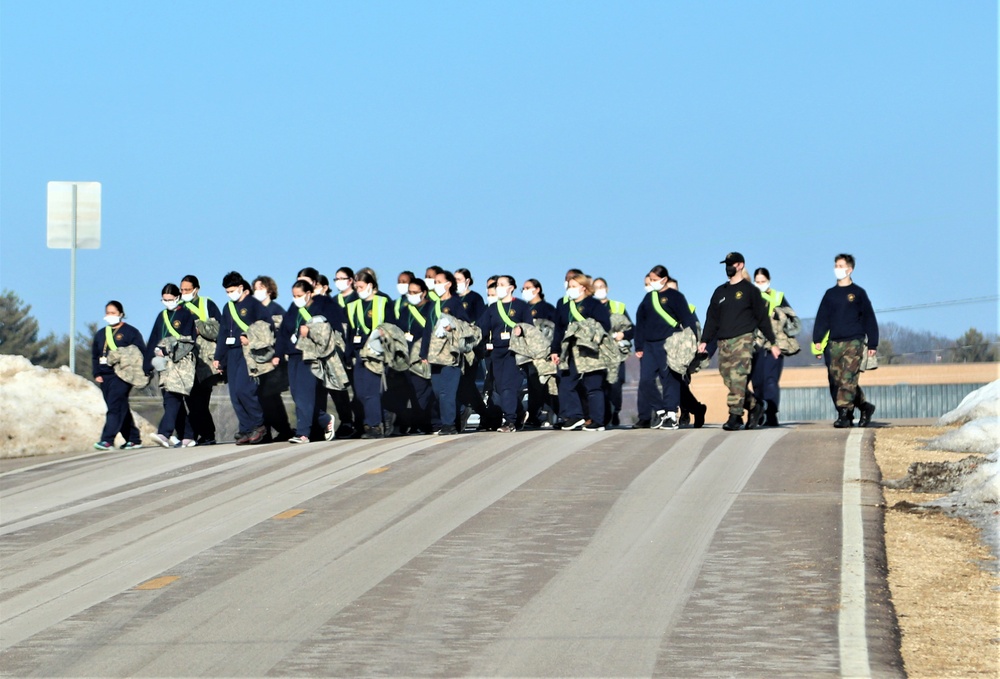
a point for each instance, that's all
(733, 258)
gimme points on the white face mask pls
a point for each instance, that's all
(841, 274)
(430, 283)
(342, 284)
(365, 293)
(439, 289)
(111, 319)
(648, 287)
(601, 293)
(762, 286)
(187, 297)
(656, 285)
(413, 299)
(502, 292)
(300, 301)
(491, 300)
(528, 295)
(235, 296)
(402, 288)
(171, 304)
(260, 295)
(463, 288)
(574, 293)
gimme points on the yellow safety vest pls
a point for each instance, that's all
(773, 300)
(356, 310)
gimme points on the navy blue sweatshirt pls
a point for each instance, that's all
(736, 309)
(451, 307)
(650, 326)
(293, 318)
(123, 336)
(493, 326)
(409, 317)
(847, 313)
(473, 303)
(542, 310)
(249, 311)
(588, 308)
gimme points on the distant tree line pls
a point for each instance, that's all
(19, 336)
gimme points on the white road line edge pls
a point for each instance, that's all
(852, 631)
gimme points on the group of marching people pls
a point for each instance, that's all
(361, 364)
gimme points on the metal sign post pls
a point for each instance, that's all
(74, 221)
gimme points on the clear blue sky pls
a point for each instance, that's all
(517, 137)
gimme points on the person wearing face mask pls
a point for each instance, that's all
(613, 397)
(271, 384)
(469, 397)
(364, 315)
(403, 288)
(308, 394)
(765, 372)
(662, 312)
(241, 311)
(538, 394)
(846, 321)
(174, 321)
(580, 305)
(116, 335)
(735, 310)
(343, 281)
(207, 318)
(322, 288)
(444, 378)
(413, 389)
(430, 278)
(498, 322)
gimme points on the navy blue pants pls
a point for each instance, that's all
(507, 378)
(119, 418)
(765, 373)
(305, 388)
(199, 407)
(368, 393)
(444, 380)
(175, 417)
(421, 394)
(243, 391)
(570, 403)
(653, 364)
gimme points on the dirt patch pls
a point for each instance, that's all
(941, 575)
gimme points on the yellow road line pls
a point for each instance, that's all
(378, 470)
(288, 514)
(158, 583)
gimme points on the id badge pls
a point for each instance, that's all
(295, 339)
(103, 360)
(505, 335)
(230, 340)
(489, 346)
(409, 337)
(357, 339)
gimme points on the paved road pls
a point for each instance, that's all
(627, 553)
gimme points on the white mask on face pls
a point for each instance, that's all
(463, 288)
(365, 293)
(171, 304)
(413, 299)
(235, 296)
(528, 295)
(841, 274)
(260, 295)
(111, 319)
(430, 283)
(403, 288)
(502, 292)
(439, 288)
(574, 293)
(342, 284)
(656, 285)
(762, 286)
(300, 301)
(187, 297)
(491, 300)
(601, 293)
(648, 287)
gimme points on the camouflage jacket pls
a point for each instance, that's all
(178, 377)
(591, 348)
(621, 323)
(127, 362)
(323, 350)
(457, 347)
(208, 331)
(786, 325)
(259, 350)
(681, 347)
(386, 349)
(533, 346)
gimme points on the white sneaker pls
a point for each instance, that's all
(188, 443)
(575, 425)
(670, 421)
(175, 442)
(299, 439)
(162, 440)
(659, 418)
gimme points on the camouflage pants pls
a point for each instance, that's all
(735, 357)
(845, 368)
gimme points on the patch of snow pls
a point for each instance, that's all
(46, 411)
(975, 436)
(983, 402)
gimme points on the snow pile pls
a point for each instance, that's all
(49, 411)
(976, 436)
(983, 402)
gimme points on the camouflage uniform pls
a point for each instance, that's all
(735, 355)
(845, 369)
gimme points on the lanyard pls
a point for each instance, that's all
(236, 317)
(574, 311)
(659, 309)
(378, 312)
(415, 314)
(109, 339)
(167, 326)
(773, 300)
(503, 314)
(201, 311)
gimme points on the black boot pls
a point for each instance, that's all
(733, 423)
(756, 416)
(771, 415)
(372, 432)
(867, 410)
(846, 418)
(699, 415)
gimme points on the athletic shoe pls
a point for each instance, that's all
(658, 418)
(175, 442)
(131, 445)
(344, 431)
(242, 438)
(372, 432)
(162, 440)
(188, 443)
(299, 439)
(575, 425)
(756, 417)
(642, 424)
(103, 445)
(206, 442)
(733, 423)
(545, 425)
(507, 429)
(466, 414)
(258, 435)
(330, 431)
(615, 420)
(867, 410)
(593, 427)
(446, 430)
(670, 421)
